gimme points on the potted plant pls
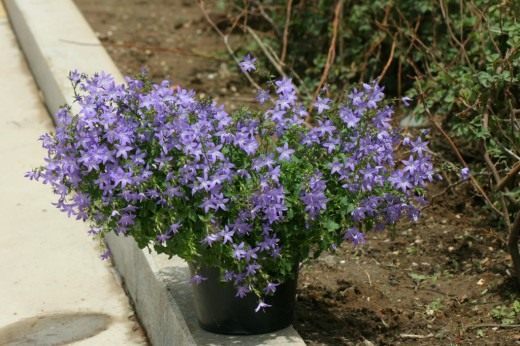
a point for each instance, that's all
(244, 198)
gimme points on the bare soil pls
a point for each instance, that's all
(432, 283)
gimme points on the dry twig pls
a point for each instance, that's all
(512, 244)
(457, 153)
(389, 61)
(332, 50)
(286, 31)
(267, 18)
(492, 325)
(508, 177)
(493, 169)
(225, 38)
(416, 336)
(272, 58)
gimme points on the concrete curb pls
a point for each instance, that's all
(55, 39)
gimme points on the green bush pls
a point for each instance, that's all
(459, 59)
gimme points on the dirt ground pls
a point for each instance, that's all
(434, 283)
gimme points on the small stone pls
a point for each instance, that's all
(223, 71)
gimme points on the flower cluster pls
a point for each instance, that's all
(254, 192)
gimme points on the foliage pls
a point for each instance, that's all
(507, 314)
(459, 59)
(253, 193)
(435, 306)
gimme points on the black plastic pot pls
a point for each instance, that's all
(219, 311)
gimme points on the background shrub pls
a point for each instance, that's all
(459, 60)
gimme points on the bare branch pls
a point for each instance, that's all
(512, 244)
(457, 153)
(389, 61)
(416, 336)
(225, 38)
(492, 167)
(272, 59)
(286, 31)
(492, 325)
(508, 177)
(332, 50)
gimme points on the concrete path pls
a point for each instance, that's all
(54, 289)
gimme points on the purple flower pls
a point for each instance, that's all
(464, 173)
(263, 161)
(105, 256)
(285, 152)
(406, 101)
(325, 128)
(174, 228)
(163, 238)
(270, 202)
(228, 275)
(284, 86)
(269, 242)
(419, 146)
(238, 251)
(210, 239)
(252, 268)
(335, 167)
(251, 254)
(33, 175)
(271, 287)
(261, 306)
(227, 235)
(140, 157)
(262, 96)
(197, 279)
(127, 219)
(248, 63)
(355, 236)
(374, 94)
(74, 76)
(349, 117)
(94, 231)
(411, 165)
(242, 291)
(215, 202)
(400, 181)
(322, 104)
(315, 199)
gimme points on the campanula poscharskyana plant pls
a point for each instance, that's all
(254, 192)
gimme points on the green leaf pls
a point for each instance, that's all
(331, 225)
(418, 277)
